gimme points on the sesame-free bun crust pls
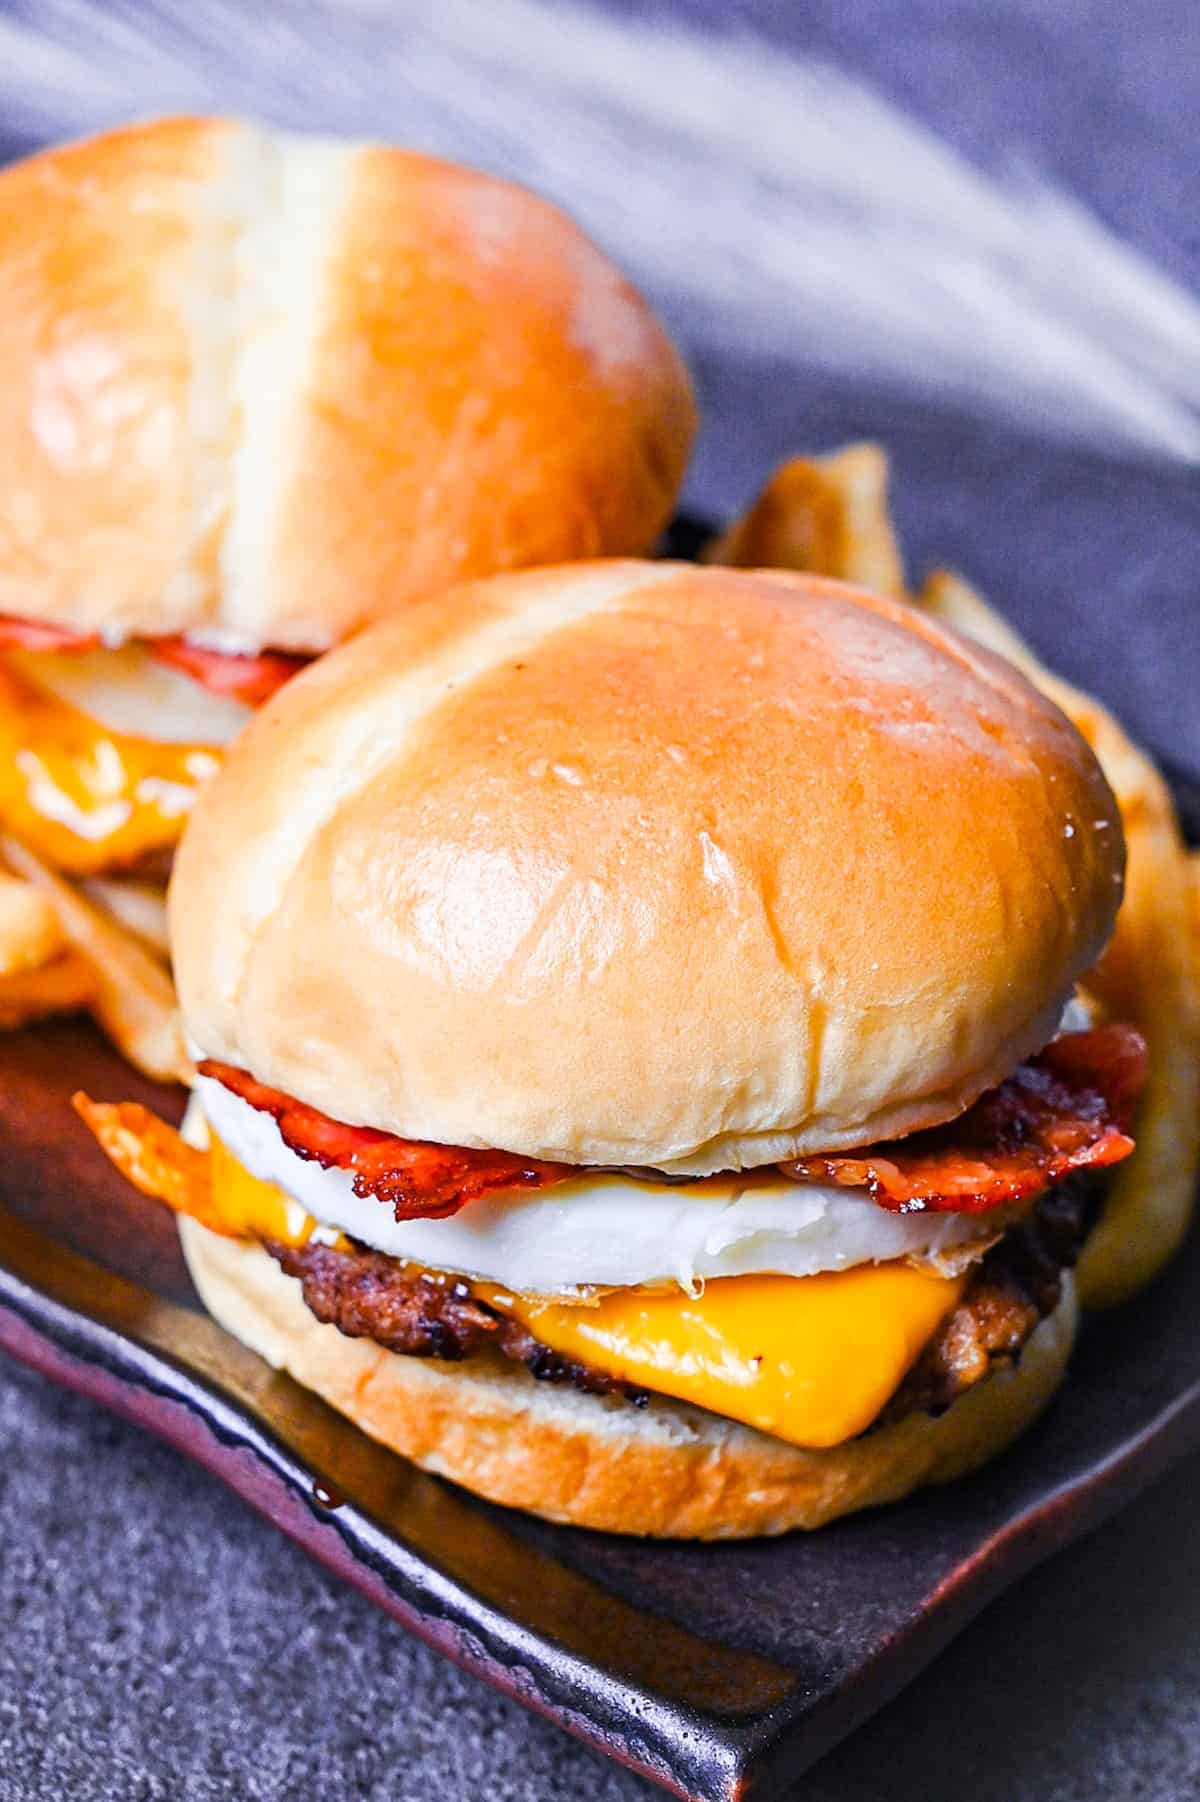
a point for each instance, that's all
(668, 1471)
(645, 863)
(262, 388)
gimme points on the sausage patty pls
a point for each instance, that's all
(1016, 1284)
(367, 1295)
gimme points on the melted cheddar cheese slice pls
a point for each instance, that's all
(248, 1208)
(82, 796)
(810, 1359)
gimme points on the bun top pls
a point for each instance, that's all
(644, 863)
(262, 388)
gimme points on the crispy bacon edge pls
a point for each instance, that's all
(1064, 1111)
(249, 677)
(39, 635)
(418, 1180)
(242, 676)
(1067, 1109)
(153, 1157)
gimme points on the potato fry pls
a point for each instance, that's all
(951, 598)
(153, 1156)
(134, 997)
(63, 985)
(1150, 975)
(139, 906)
(30, 934)
(828, 515)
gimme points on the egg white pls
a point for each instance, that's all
(605, 1230)
(127, 690)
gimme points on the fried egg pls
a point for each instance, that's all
(607, 1229)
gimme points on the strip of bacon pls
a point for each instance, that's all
(38, 635)
(1063, 1111)
(239, 675)
(418, 1180)
(153, 1156)
(1067, 1109)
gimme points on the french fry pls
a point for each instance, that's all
(951, 598)
(134, 998)
(139, 906)
(63, 985)
(1150, 974)
(30, 934)
(153, 1156)
(828, 515)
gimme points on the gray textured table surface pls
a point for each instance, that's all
(159, 1641)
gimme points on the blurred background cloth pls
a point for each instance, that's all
(967, 230)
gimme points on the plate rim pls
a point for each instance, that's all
(167, 1393)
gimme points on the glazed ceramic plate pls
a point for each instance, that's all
(711, 1669)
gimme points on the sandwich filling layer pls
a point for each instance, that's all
(810, 1310)
(811, 1360)
(600, 1229)
(103, 749)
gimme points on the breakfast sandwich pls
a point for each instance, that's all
(642, 1068)
(256, 390)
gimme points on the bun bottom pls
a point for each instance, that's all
(667, 1471)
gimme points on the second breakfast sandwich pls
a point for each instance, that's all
(257, 389)
(642, 1075)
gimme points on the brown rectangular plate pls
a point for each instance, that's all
(711, 1669)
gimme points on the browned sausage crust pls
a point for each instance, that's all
(367, 1295)
(1017, 1283)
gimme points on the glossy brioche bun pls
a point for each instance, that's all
(643, 863)
(262, 388)
(669, 1470)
